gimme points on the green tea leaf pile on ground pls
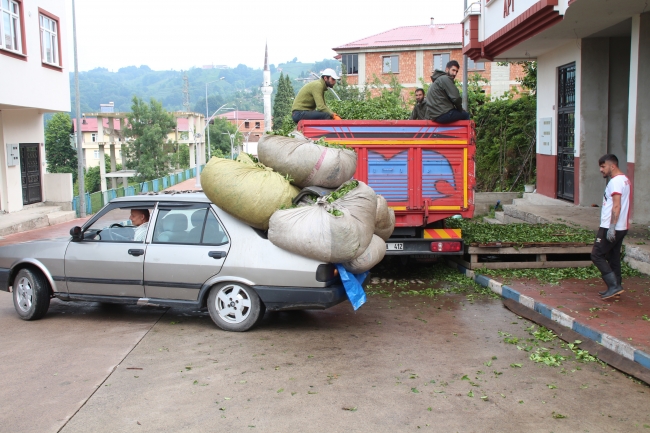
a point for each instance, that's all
(480, 232)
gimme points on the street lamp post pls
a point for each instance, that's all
(207, 125)
(207, 112)
(232, 138)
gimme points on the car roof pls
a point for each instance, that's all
(180, 196)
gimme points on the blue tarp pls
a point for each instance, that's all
(352, 284)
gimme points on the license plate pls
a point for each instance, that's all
(394, 246)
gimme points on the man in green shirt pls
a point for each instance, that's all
(310, 101)
(444, 104)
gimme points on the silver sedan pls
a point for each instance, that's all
(167, 250)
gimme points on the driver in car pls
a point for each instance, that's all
(140, 219)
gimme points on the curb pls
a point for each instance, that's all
(620, 347)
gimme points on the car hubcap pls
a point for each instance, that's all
(24, 293)
(233, 304)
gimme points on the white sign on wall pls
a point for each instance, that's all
(545, 140)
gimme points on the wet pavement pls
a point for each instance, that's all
(429, 350)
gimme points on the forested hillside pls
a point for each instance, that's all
(237, 86)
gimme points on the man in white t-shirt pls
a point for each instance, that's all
(606, 253)
(140, 219)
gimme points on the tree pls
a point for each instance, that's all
(61, 156)
(149, 125)
(283, 101)
(181, 158)
(220, 131)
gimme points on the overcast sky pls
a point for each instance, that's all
(181, 34)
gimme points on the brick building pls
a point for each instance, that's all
(250, 124)
(411, 53)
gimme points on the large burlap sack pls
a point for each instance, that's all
(385, 219)
(306, 162)
(362, 204)
(369, 258)
(247, 190)
(313, 231)
(336, 229)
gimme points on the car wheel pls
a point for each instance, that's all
(31, 294)
(234, 306)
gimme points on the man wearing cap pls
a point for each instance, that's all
(310, 101)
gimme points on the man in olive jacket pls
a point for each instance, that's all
(444, 104)
(420, 107)
(310, 100)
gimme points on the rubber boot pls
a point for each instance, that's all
(619, 281)
(613, 288)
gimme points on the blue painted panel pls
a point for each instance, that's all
(389, 177)
(587, 332)
(509, 293)
(156, 188)
(435, 168)
(642, 358)
(542, 309)
(482, 280)
(165, 182)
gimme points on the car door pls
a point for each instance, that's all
(189, 245)
(108, 261)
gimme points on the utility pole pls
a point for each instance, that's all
(464, 68)
(80, 151)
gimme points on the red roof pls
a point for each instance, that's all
(242, 115)
(438, 34)
(90, 124)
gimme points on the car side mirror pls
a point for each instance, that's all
(76, 234)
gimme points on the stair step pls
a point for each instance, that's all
(491, 220)
(499, 216)
(61, 216)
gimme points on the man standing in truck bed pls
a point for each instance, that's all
(444, 104)
(310, 101)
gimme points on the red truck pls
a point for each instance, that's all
(425, 170)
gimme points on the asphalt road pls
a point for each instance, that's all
(398, 364)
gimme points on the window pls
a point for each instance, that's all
(115, 225)
(93, 137)
(247, 125)
(10, 31)
(440, 61)
(257, 125)
(350, 63)
(475, 66)
(390, 64)
(49, 39)
(96, 154)
(188, 226)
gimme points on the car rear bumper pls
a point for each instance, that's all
(301, 298)
(4, 279)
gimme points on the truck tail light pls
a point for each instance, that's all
(326, 272)
(445, 246)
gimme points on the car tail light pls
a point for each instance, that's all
(445, 247)
(326, 272)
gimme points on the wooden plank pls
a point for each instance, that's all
(528, 265)
(569, 335)
(532, 250)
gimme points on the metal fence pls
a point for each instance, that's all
(97, 200)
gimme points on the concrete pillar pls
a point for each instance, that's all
(362, 69)
(638, 158)
(619, 83)
(593, 117)
(192, 155)
(419, 67)
(113, 165)
(102, 167)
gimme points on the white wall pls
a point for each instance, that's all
(57, 187)
(492, 19)
(18, 126)
(547, 65)
(28, 83)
